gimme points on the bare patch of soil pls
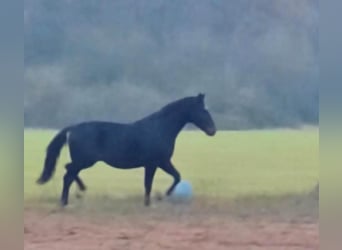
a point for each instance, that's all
(272, 223)
(44, 230)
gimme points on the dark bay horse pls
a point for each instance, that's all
(147, 143)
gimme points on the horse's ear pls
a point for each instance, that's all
(201, 97)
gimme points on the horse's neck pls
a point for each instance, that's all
(170, 123)
(174, 123)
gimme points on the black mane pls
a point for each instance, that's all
(181, 105)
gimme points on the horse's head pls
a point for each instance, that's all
(201, 117)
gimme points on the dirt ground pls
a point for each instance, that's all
(45, 230)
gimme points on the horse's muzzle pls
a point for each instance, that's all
(211, 131)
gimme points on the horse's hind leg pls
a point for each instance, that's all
(170, 169)
(73, 169)
(78, 180)
(69, 177)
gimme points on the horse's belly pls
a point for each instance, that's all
(124, 166)
(134, 154)
(124, 163)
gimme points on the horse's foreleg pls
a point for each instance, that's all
(149, 174)
(80, 184)
(170, 169)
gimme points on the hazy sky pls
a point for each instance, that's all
(257, 61)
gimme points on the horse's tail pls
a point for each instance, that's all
(52, 154)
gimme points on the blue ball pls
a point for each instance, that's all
(183, 191)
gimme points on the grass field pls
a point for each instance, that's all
(229, 165)
(252, 191)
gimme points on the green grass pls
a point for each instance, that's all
(229, 165)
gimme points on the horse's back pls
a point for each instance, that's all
(122, 145)
(93, 138)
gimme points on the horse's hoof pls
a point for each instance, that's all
(159, 196)
(63, 204)
(147, 203)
